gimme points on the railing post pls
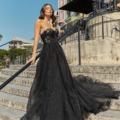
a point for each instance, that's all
(102, 28)
(99, 7)
(8, 63)
(14, 54)
(23, 57)
(20, 60)
(17, 60)
(65, 39)
(79, 43)
(119, 29)
(115, 5)
(110, 6)
(61, 42)
(4, 63)
(93, 8)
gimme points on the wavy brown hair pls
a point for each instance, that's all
(42, 14)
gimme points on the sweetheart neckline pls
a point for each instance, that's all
(47, 29)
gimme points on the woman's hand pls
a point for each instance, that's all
(32, 60)
(61, 31)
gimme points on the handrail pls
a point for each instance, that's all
(10, 56)
(15, 53)
(24, 67)
(14, 49)
(68, 32)
(25, 55)
(17, 73)
(106, 30)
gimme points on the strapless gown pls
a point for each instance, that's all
(56, 95)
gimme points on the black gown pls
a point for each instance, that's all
(57, 95)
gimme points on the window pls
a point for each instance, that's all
(61, 15)
(61, 2)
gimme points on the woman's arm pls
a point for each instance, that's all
(37, 31)
(61, 31)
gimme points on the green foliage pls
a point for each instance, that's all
(29, 49)
(18, 52)
(3, 53)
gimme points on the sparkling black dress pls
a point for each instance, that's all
(56, 95)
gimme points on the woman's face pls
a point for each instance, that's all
(48, 10)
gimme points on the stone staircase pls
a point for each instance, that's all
(14, 96)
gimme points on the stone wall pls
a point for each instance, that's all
(95, 52)
(110, 20)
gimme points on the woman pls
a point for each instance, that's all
(55, 94)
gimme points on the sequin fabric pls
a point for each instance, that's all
(56, 95)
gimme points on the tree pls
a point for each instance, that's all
(18, 52)
(3, 53)
(29, 49)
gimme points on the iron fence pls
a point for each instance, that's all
(103, 27)
(100, 8)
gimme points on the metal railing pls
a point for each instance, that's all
(20, 59)
(102, 27)
(23, 59)
(14, 41)
(99, 27)
(100, 8)
(73, 34)
(11, 61)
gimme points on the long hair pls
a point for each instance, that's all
(52, 18)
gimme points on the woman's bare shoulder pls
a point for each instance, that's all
(39, 21)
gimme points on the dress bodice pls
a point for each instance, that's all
(50, 35)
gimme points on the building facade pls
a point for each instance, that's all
(67, 16)
(23, 44)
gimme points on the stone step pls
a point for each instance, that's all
(17, 80)
(26, 74)
(100, 69)
(13, 101)
(18, 67)
(16, 90)
(115, 103)
(20, 103)
(106, 115)
(7, 113)
(21, 93)
(97, 69)
(105, 78)
(28, 81)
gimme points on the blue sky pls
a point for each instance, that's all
(17, 18)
